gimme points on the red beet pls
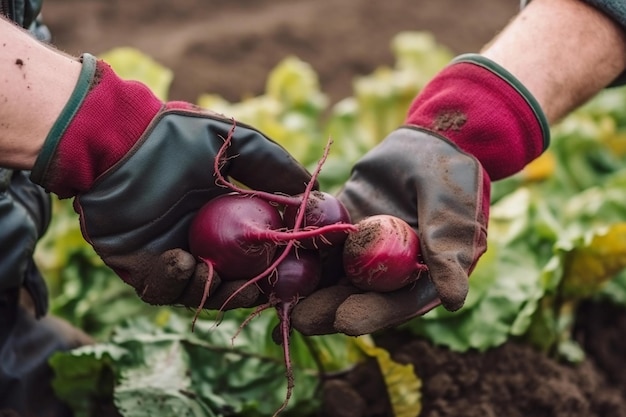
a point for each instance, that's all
(383, 254)
(322, 209)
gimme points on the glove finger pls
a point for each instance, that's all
(248, 297)
(218, 292)
(158, 280)
(315, 314)
(194, 292)
(370, 312)
(452, 220)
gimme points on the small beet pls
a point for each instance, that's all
(322, 209)
(383, 254)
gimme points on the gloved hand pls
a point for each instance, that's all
(473, 123)
(139, 170)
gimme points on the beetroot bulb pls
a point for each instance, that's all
(383, 254)
(322, 209)
(228, 234)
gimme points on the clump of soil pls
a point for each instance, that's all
(600, 330)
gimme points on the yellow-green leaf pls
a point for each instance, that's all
(541, 168)
(295, 83)
(589, 266)
(403, 385)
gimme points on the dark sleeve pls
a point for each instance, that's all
(616, 9)
(25, 211)
(23, 12)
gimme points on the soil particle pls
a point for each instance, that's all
(360, 241)
(341, 400)
(453, 120)
(361, 394)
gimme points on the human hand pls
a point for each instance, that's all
(139, 170)
(472, 124)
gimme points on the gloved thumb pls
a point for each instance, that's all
(344, 308)
(370, 312)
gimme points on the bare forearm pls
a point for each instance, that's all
(35, 83)
(563, 51)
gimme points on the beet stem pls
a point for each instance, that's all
(220, 181)
(309, 187)
(284, 312)
(263, 274)
(261, 308)
(205, 293)
(293, 234)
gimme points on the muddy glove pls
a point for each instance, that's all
(473, 123)
(139, 170)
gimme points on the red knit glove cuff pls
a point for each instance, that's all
(101, 122)
(489, 114)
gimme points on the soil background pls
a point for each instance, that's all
(228, 48)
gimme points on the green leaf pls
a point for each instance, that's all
(85, 376)
(593, 260)
(294, 83)
(159, 382)
(420, 53)
(165, 369)
(615, 290)
(247, 373)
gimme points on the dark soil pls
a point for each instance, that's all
(228, 47)
(513, 380)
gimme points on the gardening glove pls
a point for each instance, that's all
(139, 170)
(472, 124)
